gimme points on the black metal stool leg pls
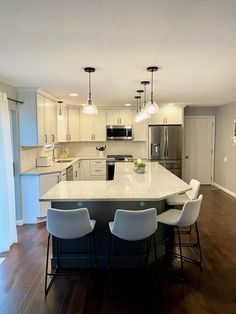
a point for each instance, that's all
(198, 243)
(181, 255)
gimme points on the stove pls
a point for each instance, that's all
(119, 158)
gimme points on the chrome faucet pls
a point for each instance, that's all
(53, 151)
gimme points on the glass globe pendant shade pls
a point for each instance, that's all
(137, 118)
(152, 107)
(90, 109)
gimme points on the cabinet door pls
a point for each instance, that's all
(173, 115)
(126, 117)
(47, 121)
(97, 178)
(86, 122)
(139, 129)
(40, 120)
(99, 126)
(84, 170)
(113, 117)
(73, 125)
(47, 182)
(76, 169)
(62, 132)
(53, 121)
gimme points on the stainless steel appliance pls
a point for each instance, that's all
(119, 132)
(165, 146)
(69, 173)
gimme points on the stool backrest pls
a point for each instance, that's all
(134, 225)
(195, 185)
(190, 212)
(68, 224)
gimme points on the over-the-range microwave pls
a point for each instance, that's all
(119, 132)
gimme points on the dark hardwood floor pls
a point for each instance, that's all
(210, 290)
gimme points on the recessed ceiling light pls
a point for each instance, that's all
(83, 105)
(74, 94)
(127, 105)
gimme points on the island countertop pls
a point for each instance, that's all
(155, 184)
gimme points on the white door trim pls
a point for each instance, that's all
(213, 142)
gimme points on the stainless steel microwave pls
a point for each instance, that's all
(119, 132)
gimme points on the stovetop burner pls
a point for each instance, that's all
(120, 157)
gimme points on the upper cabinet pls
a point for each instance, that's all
(93, 127)
(68, 124)
(119, 117)
(167, 115)
(37, 118)
(139, 129)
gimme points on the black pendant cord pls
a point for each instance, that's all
(90, 93)
(152, 90)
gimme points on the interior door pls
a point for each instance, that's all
(199, 149)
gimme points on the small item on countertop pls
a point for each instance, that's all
(44, 161)
(100, 150)
(139, 166)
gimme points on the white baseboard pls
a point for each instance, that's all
(224, 189)
(20, 222)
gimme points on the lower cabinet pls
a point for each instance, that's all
(93, 170)
(33, 187)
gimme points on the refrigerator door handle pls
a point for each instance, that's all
(164, 141)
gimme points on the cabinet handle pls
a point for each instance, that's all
(45, 138)
(76, 174)
(53, 137)
(58, 178)
(94, 137)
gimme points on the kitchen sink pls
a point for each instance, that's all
(64, 160)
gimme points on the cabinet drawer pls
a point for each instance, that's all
(97, 171)
(96, 163)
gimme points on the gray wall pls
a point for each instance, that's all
(9, 90)
(200, 111)
(225, 172)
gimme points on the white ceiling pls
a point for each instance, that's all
(47, 43)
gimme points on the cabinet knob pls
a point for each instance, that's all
(53, 138)
(45, 138)
(186, 157)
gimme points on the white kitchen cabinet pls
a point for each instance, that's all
(37, 117)
(73, 122)
(76, 168)
(119, 117)
(93, 127)
(93, 170)
(33, 187)
(63, 175)
(167, 115)
(68, 124)
(139, 129)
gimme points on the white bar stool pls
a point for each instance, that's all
(68, 224)
(180, 199)
(133, 225)
(183, 218)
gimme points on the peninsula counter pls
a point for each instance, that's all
(128, 190)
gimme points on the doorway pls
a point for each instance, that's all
(198, 157)
(13, 112)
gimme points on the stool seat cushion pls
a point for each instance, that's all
(177, 199)
(170, 217)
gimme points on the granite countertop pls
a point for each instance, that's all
(56, 166)
(156, 183)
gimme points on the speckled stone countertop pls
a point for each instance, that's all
(56, 167)
(156, 183)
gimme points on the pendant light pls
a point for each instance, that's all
(137, 117)
(60, 115)
(144, 113)
(152, 106)
(90, 108)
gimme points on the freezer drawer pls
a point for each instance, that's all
(173, 166)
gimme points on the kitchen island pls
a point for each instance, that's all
(128, 190)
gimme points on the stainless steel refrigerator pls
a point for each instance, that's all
(165, 146)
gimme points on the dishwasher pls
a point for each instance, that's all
(69, 173)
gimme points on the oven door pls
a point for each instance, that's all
(119, 132)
